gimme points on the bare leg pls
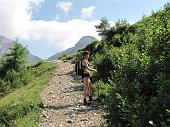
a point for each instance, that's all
(90, 87)
(85, 82)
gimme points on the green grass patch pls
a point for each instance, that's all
(22, 107)
(66, 57)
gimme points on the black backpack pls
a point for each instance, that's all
(78, 68)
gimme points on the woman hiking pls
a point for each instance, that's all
(86, 78)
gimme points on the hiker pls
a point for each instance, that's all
(86, 77)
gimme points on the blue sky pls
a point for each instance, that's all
(132, 10)
(50, 26)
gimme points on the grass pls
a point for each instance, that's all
(22, 107)
(66, 57)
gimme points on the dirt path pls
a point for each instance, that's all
(63, 102)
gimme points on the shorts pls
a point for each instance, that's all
(85, 75)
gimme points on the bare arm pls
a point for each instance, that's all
(87, 66)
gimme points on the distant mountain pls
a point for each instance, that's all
(82, 43)
(6, 43)
(32, 59)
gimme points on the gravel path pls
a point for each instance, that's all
(62, 100)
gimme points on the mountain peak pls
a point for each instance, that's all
(82, 43)
(87, 37)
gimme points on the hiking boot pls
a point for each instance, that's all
(85, 101)
(90, 99)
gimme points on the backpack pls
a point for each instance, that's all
(78, 68)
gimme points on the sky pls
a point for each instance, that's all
(50, 26)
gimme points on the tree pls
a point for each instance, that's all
(167, 6)
(103, 27)
(15, 59)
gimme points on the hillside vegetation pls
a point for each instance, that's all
(133, 63)
(132, 79)
(20, 88)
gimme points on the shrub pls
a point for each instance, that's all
(134, 76)
(17, 105)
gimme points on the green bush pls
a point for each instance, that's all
(104, 66)
(16, 105)
(102, 90)
(20, 87)
(13, 72)
(133, 79)
(3, 87)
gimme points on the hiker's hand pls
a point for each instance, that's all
(95, 70)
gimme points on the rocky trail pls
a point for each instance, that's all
(62, 100)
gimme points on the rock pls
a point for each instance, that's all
(69, 121)
(72, 116)
(51, 92)
(45, 115)
(53, 96)
(85, 119)
(95, 114)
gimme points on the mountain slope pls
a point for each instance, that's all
(6, 43)
(31, 59)
(82, 43)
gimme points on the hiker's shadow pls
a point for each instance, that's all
(77, 108)
(82, 109)
(58, 107)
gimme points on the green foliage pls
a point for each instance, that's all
(13, 72)
(102, 90)
(22, 107)
(133, 79)
(66, 57)
(15, 59)
(20, 87)
(104, 66)
(103, 27)
(78, 56)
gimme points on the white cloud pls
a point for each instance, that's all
(65, 6)
(87, 12)
(15, 15)
(16, 22)
(62, 35)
